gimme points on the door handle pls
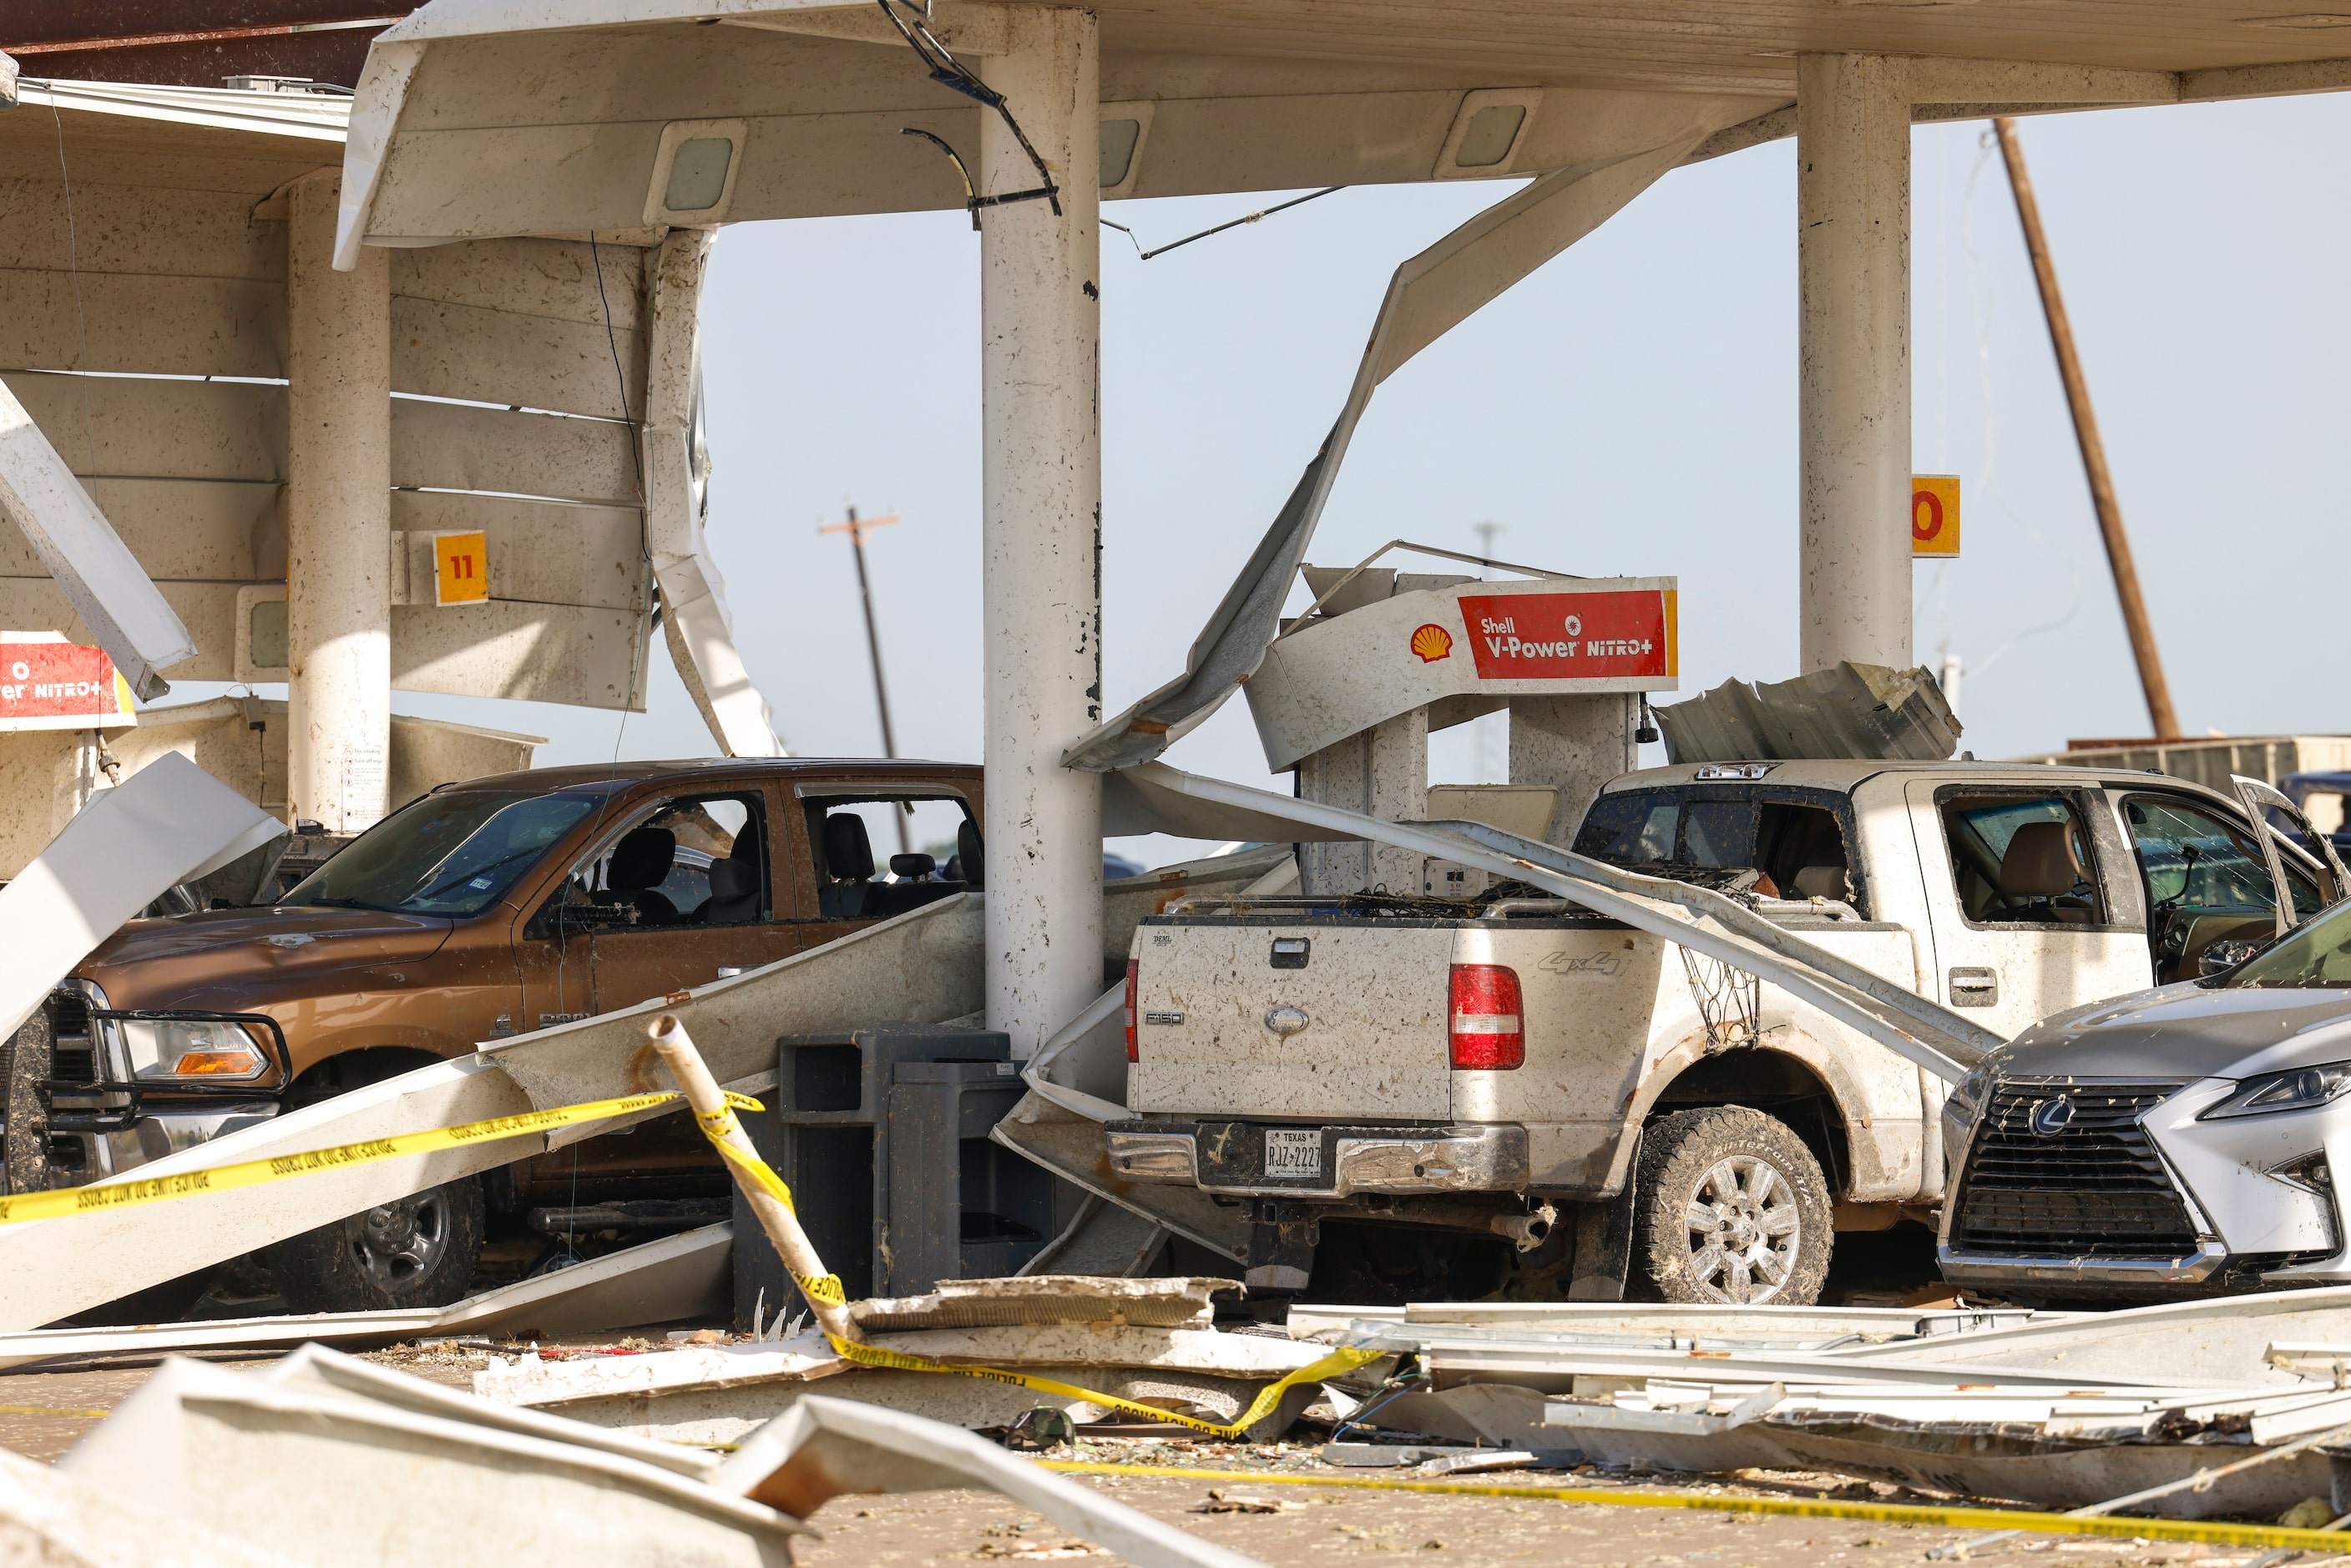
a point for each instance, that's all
(1974, 987)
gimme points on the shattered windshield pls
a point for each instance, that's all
(2316, 955)
(452, 853)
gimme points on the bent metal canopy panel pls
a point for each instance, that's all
(1461, 650)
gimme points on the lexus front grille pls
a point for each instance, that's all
(2090, 1187)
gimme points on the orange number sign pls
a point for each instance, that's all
(1934, 516)
(461, 568)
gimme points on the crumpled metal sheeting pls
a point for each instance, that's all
(528, 1380)
(676, 1277)
(714, 1394)
(1866, 712)
(56, 1521)
(823, 1447)
(2060, 1409)
(1046, 1298)
(336, 1472)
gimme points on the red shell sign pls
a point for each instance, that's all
(48, 683)
(1551, 636)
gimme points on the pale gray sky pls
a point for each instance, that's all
(1630, 409)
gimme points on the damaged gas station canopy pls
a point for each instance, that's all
(153, 389)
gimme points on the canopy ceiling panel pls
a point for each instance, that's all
(488, 117)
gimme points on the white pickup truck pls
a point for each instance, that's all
(1475, 1068)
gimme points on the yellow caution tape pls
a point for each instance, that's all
(828, 1291)
(1332, 1366)
(30, 1206)
(2213, 1532)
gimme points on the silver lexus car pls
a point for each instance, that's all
(2183, 1141)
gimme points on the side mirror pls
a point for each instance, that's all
(2222, 957)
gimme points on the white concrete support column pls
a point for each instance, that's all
(1041, 330)
(1575, 744)
(1382, 772)
(1853, 202)
(338, 518)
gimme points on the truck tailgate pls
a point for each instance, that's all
(1373, 1038)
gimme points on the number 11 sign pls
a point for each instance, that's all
(461, 568)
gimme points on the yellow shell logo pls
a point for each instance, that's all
(1432, 643)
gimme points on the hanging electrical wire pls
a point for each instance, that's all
(1204, 233)
(1985, 300)
(949, 72)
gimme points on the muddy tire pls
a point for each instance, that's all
(25, 1147)
(1730, 1208)
(415, 1252)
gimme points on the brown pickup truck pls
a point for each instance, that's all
(482, 910)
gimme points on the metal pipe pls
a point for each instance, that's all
(776, 1217)
(2157, 690)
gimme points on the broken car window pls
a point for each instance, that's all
(2022, 860)
(2207, 882)
(1718, 833)
(700, 860)
(1635, 828)
(452, 853)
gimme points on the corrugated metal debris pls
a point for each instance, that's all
(1860, 711)
(2060, 1409)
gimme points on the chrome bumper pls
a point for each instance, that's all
(1980, 1268)
(156, 1134)
(1353, 1159)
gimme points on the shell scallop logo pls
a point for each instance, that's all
(1432, 643)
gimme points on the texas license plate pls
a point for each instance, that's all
(1293, 1152)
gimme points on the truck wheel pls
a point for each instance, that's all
(415, 1252)
(1730, 1208)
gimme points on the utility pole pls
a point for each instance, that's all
(855, 527)
(2093, 449)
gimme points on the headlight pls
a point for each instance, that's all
(200, 1049)
(2297, 1089)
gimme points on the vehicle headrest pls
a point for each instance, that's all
(968, 850)
(733, 879)
(2040, 862)
(1822, 881)
(641, 860)
(848, 853)
(908, 867)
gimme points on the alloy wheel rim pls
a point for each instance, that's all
(397, 1244)
(1745, 1231)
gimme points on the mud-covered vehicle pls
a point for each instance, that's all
(480, 911)
(1371, 1059)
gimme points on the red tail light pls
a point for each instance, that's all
(1489, 1032)
(1134, 983)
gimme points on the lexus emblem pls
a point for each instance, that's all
(2051, 1118)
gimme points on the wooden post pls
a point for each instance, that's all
(783, 1227)
(2093, 449)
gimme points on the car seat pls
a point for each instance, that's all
(734, 895)
(848, 867)
(2040, 864)
(641, 863)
